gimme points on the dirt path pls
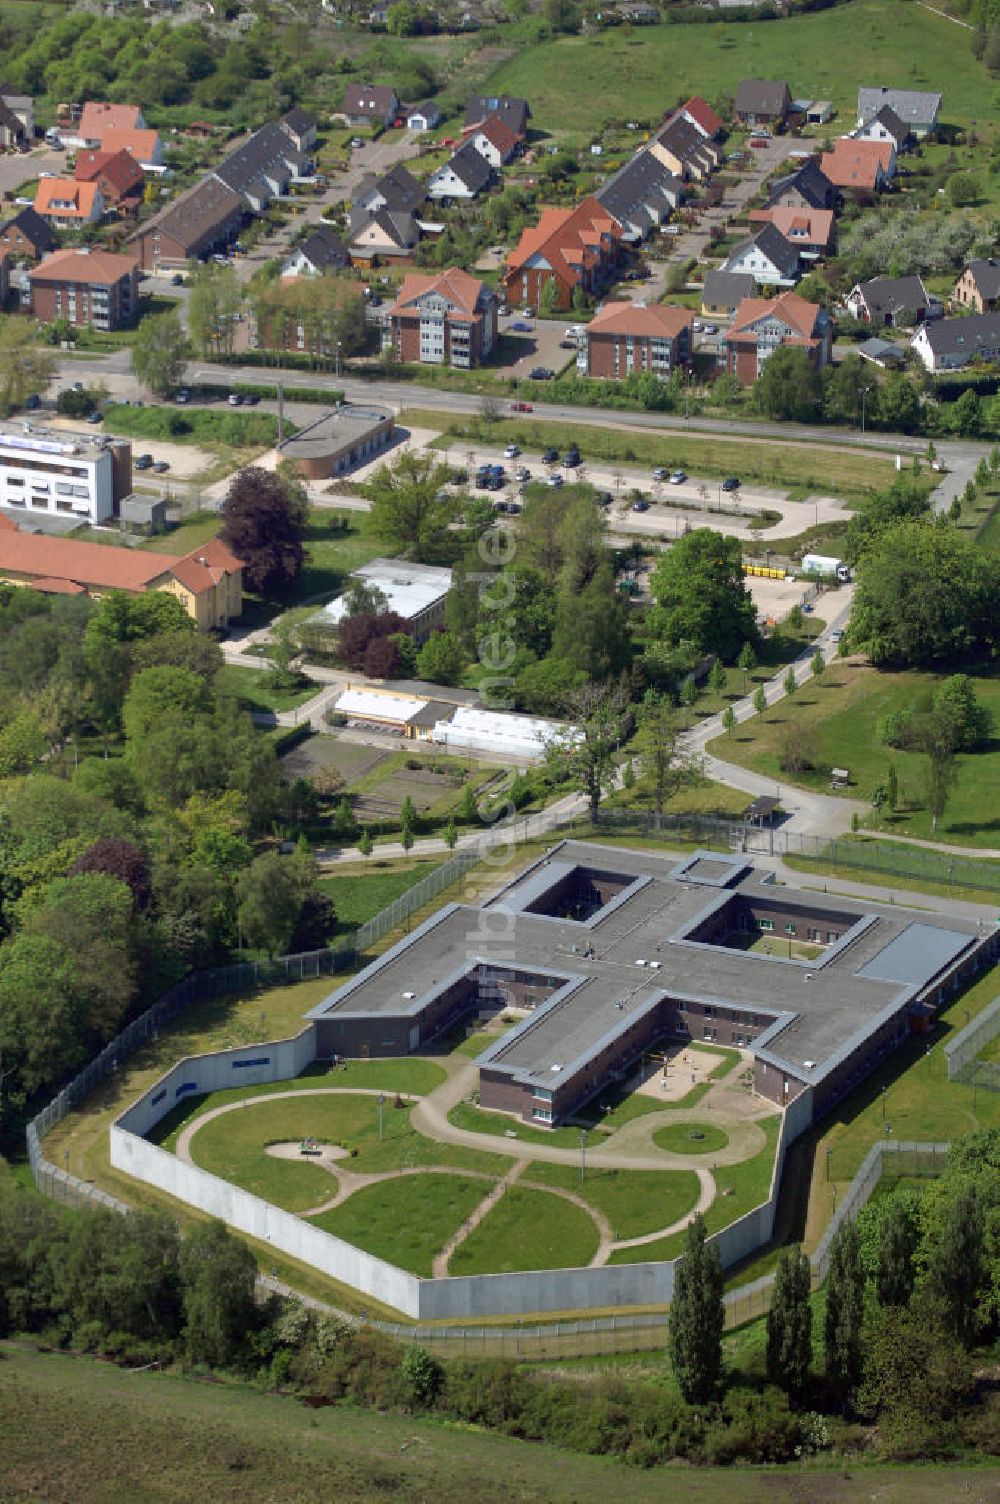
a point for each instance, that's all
(489, 1201)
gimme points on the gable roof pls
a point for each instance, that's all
(398, 187)
(724, 289)
(915, 107)
(98, 117)
(568, 239)
(652, 320)
(461, 289)
(96, 268)
(513, 111)
(196, 218)
(641, 192)
(65, 198)
(374, 100)
(891, 295)
(323, 249)
(398, 225)
(771, 243)
(811, 226)
(985, 272)
(120, 168)
(499, 134)
(57, 561)
(34, 228)
(801, 316)
(762, 96)
(702, 115)
(469, 166)
(974, 334)
(269, 149)
(142, 145)
(809, 181)
(298, 120)
(855, 164)
(9, 121)
(686, 142)
(426, 110)
(890, 121)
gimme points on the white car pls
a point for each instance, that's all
(555, 479)
(511, 452)
(678, 477)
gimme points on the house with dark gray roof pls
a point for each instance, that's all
(515, 113)
(978, 287)
(641, 195)
(768, 257)
(388, 233)
(370, 104)
(916, 108)
(465, 175)
(723, 292)
(885, 126)
(263, 166)
(301, 127)
(321, 251)
(762, 101)
(883, 300)
(950, 344)
(199, 223)
(683, 148)
(396, 189)
(28, 235)
(808, 187)
(423, 117)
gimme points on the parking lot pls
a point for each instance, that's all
(538, 346)
(17, 168)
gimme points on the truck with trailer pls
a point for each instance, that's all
(823, 566)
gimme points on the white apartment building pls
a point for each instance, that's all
(79, 476)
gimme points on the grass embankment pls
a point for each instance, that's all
(841, 714)
(111, 1433)
(786, 464)
(194, 425)
(528, 1229)
(478, 1120)
(252, 687)
(740, 1188)
(818, 54)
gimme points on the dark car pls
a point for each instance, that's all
(143, 462)
(640, 505)
(540, 373)
(572, 458)
(159, 466)
(731, 483)
(183, 395)
(176, 280)
(251, 401)
(95, 417)
(550, 457)
(604, 498)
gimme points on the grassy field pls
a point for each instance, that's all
(110, 1434)
(679, 1139)
(740, 1188)
(477, 1120)
(196, 529)
(635, 1202)
(842, 713)
(816, 467)
(251, 686)
(408, 1220)
(820, 55)
(359, 893)
(527, 1230)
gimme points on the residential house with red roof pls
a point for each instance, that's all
(91, 287)
(702, 117)
(208, 581)
(118, 176)
(65, 203)
(574, 248)
(495, 141)
(859, 168)
(626, 337)
(811, 231)
(448, 319)
(763, 325)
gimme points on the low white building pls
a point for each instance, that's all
(416, 592)
(509, 738)
(77, 476)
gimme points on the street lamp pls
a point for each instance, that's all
(338, 359)
(381, 1108)
(583, 1153)
(864, 394)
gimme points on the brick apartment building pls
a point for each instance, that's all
(627, 337)
(763, 325)
(448, 319)
(573, 247)
(85, 287)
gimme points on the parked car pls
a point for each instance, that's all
(522, 474)
(640, 505)
(521, 407)
(572, 458)
(661, 473)
(550, 457)
(604, 498)
(540, 373)
(711, 328)
(521, 325)
(567, 344)
(182, 395)
(697, 326)
(511, 451)
(95, 417)
(143, 462)
(555, 479)
(160, 466)
(235, 400)
(678, 477)
(251, 401)
(508, 508)
(177, 280)
(731, 483)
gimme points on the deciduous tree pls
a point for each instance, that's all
(264, 522)
(844, 1314)
(410, 508)
(701, 595)
(160, 352)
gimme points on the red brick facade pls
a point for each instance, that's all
(450, 319)
(626, 337)
(99, 289)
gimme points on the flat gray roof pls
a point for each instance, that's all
(634, 951)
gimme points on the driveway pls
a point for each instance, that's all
(16, 169)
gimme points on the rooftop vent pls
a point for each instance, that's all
(809, 1064)
(409, 994)
(640, 963)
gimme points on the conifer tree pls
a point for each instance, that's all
(844, 1312)
(696, 1318)
(789, 1324)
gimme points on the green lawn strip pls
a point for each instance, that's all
(740, 1188)
(783, 464)
(635, 1202)
(690, 1138)
(842, 713)
(625, 1104)
(195, 425)
(477, 1120)
(252, 687)
(528, 1230)
(407, 1220)
(818, 54)
(359, 895)
(706, 798)
(475, 1044)
(890, 864)
(196, 529)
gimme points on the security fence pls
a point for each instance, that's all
(962, 1052)
(398, 912)
(887, 1157)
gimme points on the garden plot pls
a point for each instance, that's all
(321, 754)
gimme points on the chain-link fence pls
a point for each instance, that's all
(962, 1052)
(398, 912)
